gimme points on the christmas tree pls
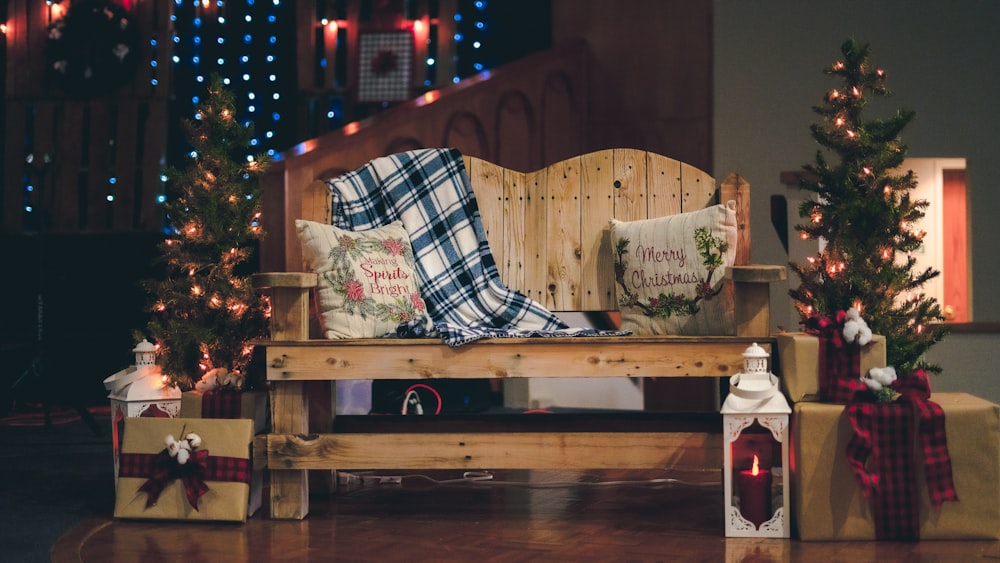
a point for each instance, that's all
(204, 310)
(865, 220)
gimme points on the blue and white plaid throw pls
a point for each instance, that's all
(429, 191)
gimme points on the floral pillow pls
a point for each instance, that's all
(367, 282)
(669, 272)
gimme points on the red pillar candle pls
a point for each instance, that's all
(755, 494)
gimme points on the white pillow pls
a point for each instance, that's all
(367, 282)
(659, 272)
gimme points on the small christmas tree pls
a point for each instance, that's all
(205, 311)
(865, 220)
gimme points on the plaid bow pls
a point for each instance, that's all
(839, 361)
(161, 469)
(883, 434)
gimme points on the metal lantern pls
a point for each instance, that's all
(140, 390)
(755, 426)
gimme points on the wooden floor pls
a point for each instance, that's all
(518, 516)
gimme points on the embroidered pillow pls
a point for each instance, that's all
(669, 272)
(367, 283)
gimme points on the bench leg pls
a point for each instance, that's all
(289, 415)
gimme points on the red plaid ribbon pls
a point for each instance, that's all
(839, 362)
(217, 403)
(160, 470)
(883, 433)
(915, 389)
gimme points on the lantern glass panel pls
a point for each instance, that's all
(756, 493)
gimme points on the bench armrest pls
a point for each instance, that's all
(752, 296)
(289, 302)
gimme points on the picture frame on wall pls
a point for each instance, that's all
(385, 66)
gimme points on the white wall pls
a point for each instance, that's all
(941, 59)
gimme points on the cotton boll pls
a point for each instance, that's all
(864, 335)
(194, 440)
(182, 456)
(851, 329)
(871, 383)
(184, 445)
(172, 445)
(853, 314)
(885, 375)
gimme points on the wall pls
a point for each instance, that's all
(940, 59)
(651, 85)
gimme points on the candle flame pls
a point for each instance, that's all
(755, 470)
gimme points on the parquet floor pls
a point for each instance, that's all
(520, 516)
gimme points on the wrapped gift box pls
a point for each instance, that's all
(228, 469)
(828, 505)
(798, 363)
(226, 404)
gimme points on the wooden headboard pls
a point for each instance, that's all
(548, 228)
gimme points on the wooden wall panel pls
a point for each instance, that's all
(514, 134)
(121, 135)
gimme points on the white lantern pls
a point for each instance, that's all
(140, 390)
(755, 427)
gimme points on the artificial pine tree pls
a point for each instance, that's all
(865, 219)
(204, 310)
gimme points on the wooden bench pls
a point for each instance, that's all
(548, 231)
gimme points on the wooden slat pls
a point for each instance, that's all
(535, 255)
(152, 132)
(490, 197)
(67, 167)
(125, 169)
(663, 181)
(13, 191)
(597, 207)
(56, 200)
(628, 356)
(697, 188)
(289, 415)
(515, 203)
(306, 196)
(95, 167)
(562, 237)
(630, 183)
(494, 450)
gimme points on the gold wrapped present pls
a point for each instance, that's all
(827, 503)
(798, 363)
(226, 403)
(185, 469)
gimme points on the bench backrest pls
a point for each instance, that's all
(548, 229)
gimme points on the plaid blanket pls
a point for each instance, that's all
(429, 191)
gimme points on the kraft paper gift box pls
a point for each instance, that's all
(226, 404)
(798, 363)
(224, 458)
(827, 503)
